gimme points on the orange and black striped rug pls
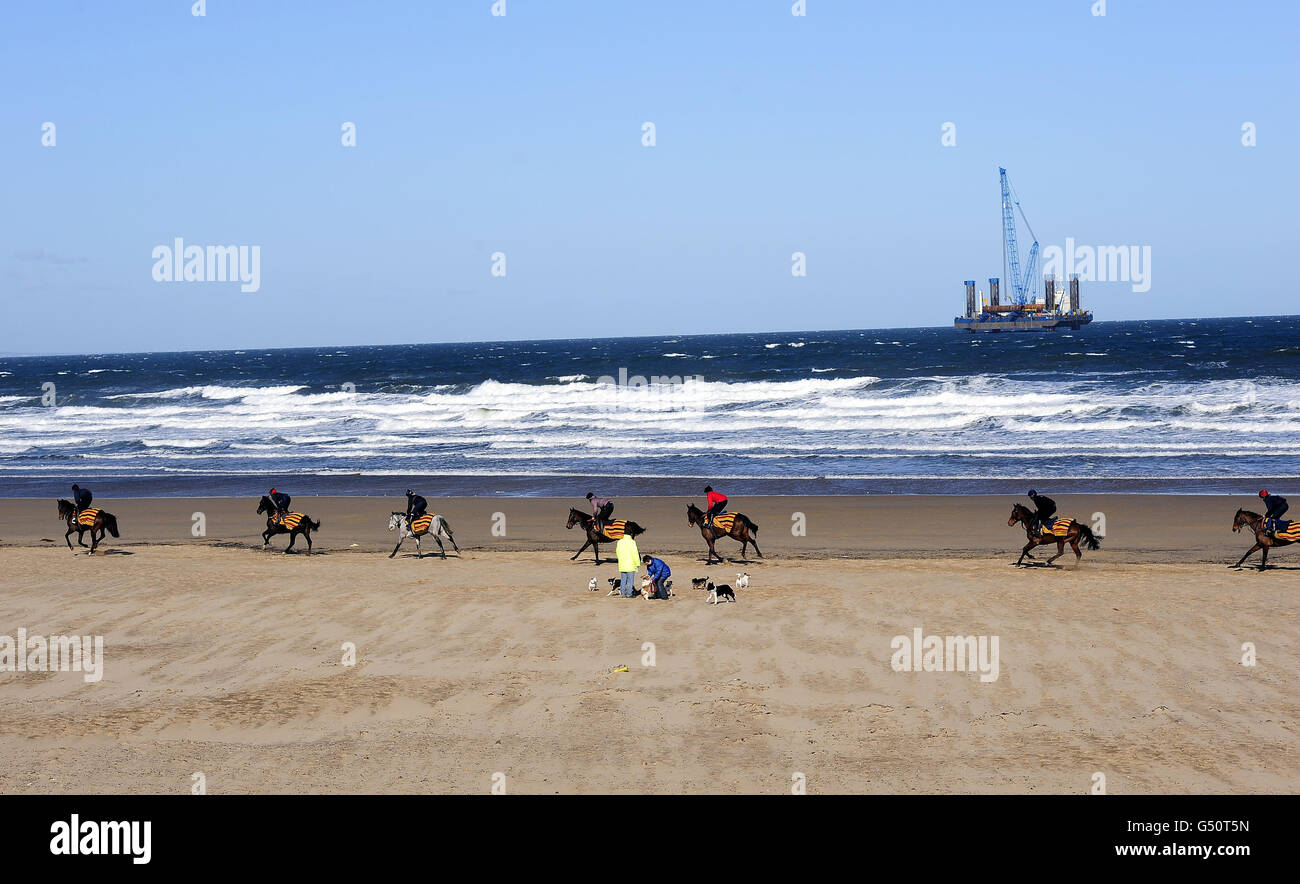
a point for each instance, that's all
(86, 518)
(615, 530)
(291, 521)
(1060, 527)
(724, 522)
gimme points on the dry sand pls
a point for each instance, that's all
(224, 659)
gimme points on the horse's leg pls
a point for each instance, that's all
(442, 549)
(580, 550)
(94, 543)
(1263, 560)
(400, 540)
(419, 550)
(266, 538)
(1024, 552)
(81, 535)
(595, 548)
(1246, 556)
(753, 541)
(307, 535)
(1060, 551)
(67, 538)
(712, 552)
(293, 535)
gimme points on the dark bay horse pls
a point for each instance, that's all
(102, 522)
(613, 531)
(741, 529)
(293, 525)
(1263, 540)
(1077, 531)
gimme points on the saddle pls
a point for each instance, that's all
(86, 518)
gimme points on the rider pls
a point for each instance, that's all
(416, 506)
(81, 498)
(659, 573)
(717, 503)
(281, 501)
(1046, 508)
(1276, 506)
(601, 509)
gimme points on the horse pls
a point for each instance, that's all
(1076, 531)
(293, 525)
(101, 523)
(741, 529)
(1263, 540)
(439, 525)
(594, 537)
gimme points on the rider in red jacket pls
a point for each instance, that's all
(717, 503)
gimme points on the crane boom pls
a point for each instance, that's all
(1021, 284)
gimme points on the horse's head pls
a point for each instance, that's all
(1244, 518)
(265, 505)
(395, 520)
(576, 517)
(694, 515)
(66, 509)
(1019, 513)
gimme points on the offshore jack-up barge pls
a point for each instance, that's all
(1024, 312)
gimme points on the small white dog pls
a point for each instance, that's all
(591, 586)
(742, 580)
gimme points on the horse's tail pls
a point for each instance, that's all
(446, 526)
(1089, 539)
(315, 526)
(110, 522)
(748, 524)
(633, 529)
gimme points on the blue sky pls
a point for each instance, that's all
(523, 134)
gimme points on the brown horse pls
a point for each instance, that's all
(102, 522)
(1075, 532)
(1263, 540)
(594, 537)
(293, 525)
(742, 529)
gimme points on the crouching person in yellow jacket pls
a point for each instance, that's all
(629, 559)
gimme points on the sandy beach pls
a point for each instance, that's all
(225, 660)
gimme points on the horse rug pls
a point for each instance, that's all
(1060, 527)
(291, 521)
(615, 530)
(724, 522)
(420, 525)
(1287, 530)
(86, 518)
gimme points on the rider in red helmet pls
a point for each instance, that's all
(281, 501)
(1275, 508)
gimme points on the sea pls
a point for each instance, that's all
(1173, 406)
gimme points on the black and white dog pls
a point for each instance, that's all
(718, 593)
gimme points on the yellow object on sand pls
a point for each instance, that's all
(621, 669)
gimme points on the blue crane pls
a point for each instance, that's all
(1021, 284)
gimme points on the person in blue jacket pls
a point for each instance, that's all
(81, 498)
(659, 573)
